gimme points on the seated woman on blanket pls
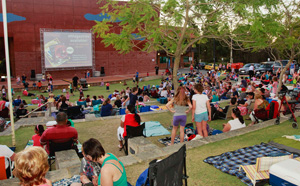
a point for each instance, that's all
(236, 123)
(222, 112)
(130, 119)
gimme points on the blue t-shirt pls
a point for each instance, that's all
(292, 66)
(137, 74)
(106, 110)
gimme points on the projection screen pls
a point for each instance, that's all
(67, 49)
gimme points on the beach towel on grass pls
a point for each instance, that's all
(154, 128)
(167, 140)
(293, 137)
(67, 181)
(229, 162)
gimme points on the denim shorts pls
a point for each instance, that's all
(201, 117)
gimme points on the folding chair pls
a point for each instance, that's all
(3, 173)
(74, 112)
(59, 146)
(131, 133)
(169, 171)
(260, 170)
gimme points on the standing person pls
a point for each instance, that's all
(107, 86)
(179, 103)
(137, 77)
(71, 89)
(88, 74)
(156, 69)
(31, 166)
(274, 85)
(132, 98)
(201, 106)
(191, 68)
(24, 78)
(251, 71)
(292, 68)
(39, 85)
(18, 80)
(75, 82)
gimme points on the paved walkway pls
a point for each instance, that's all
(58, 82)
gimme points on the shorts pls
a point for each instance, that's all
(40, 88)
(71, 91)
(179, 119)
(201, 117)
(107, 87)
(137, 79)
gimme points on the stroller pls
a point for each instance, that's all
(291, 106)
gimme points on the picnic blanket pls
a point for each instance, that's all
(167, 140)
(67, 181)
(30, 143)
(154, 128)
(229, 162)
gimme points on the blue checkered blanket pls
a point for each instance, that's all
(229, 162)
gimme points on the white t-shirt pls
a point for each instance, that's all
(236, 124)
(251, 67)
(5, 151)
(164, 93)
(201, 100)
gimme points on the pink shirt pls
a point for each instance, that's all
(274, 85)
(36, 140)
(67, 96)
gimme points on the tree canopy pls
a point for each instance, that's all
(176, 25)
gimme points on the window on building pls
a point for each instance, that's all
(185, 59)
(164, 59)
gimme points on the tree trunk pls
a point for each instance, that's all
(175, 69)
(282, 74)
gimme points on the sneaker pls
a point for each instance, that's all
(197, 137)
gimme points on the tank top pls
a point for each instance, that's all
(179, 110)
(122, 181)
(64, 105)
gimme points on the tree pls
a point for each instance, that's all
(277, 30)
(170, 25)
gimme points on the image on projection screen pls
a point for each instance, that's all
(67, 49)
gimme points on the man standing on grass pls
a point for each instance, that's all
(137, 77)
(75, 82)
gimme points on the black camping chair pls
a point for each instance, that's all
(59, 146)
(169, 171)
(131, 133)
(75, 112)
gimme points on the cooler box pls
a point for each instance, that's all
(286, 173)
(50, 124)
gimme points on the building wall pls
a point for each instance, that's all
(32, 15)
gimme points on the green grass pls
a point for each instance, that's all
(288, 142)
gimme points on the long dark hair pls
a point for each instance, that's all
(237, 113)
(106, 101)
(131, 109)
(40, 129)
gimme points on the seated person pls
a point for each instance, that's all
(88, 100)
(164, 93)
(141, 101)
(153, 92)
(31, 166)
(243, 96)
(215, 97)
(107, 109)
(38, 130)
(64, 104)
(25, 93)
(118, 102)
(236, 123)
(7, 152)
(130, 119)
(21, 111)
(60, 133)
(17, 101)
(222, 112)
(250, 99)
(235, 93)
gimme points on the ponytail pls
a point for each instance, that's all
(137, 118)
(131, 109)
(237, 113)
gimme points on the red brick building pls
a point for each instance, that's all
(27, 17)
